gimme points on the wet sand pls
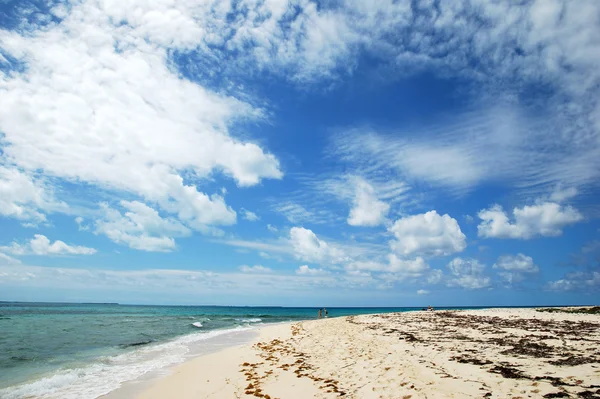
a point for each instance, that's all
(493, 353)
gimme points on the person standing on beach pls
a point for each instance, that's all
(325, 311)
(319, 313)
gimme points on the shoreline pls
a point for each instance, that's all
(490, 353)
(133, 388)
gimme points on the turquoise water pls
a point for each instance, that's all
(86, 350)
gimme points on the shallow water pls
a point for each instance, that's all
(86, 350)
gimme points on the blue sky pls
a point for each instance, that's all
(336, 153)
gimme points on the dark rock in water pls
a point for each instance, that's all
(21, 358)
(136, 344)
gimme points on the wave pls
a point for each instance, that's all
(107, 373)
(251, 320)
(197, 324)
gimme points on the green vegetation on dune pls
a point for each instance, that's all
(583, 310)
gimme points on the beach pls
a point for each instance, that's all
(491, 353)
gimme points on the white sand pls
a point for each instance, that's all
(465, 354)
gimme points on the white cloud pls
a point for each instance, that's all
(515, 269)
(577, 281)
(422, 292)
(518, 263)
(547, 42)
(25, 198)
(250, 216)
(358, 273)
(5, 259)
(561, 194)
(272, 228)
(254, 269)
(98, 103)
(427, 234)
(367, 209)
(543, 219)
(413, 267)
(82, 227)
(308, 247)
(502, 144)
(467, 273)
(394, 270)
(538, 41)
(41, 245)
(182, 286)
(140, 227)
(278, 246)
(296, 213)
(435, 276)
(307, 271)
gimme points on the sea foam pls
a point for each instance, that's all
(108, 373)
(251, 320)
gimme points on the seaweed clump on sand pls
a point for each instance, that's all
(574, 361)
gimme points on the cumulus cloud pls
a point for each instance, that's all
(586, 276)
(308, 247)
(412, 267)
(254, 269)
(548, 43)
(250, 216)
(519, 263)
(577, 281)
(396, 268)
(467, 273)
(25, 198)
(422, 292)
(98, 103)
(543, 219)
(41, 245)
(514, 269)
(367, 209)
(435, 276)
(427, 234)
(140, 227)
(307, 271)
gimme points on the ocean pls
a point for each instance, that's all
(59, 350)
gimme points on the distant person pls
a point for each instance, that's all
(429, 308)
(325, 312)
(319, 313)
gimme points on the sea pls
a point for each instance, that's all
(65, 350)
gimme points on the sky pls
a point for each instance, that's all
(300, 153)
